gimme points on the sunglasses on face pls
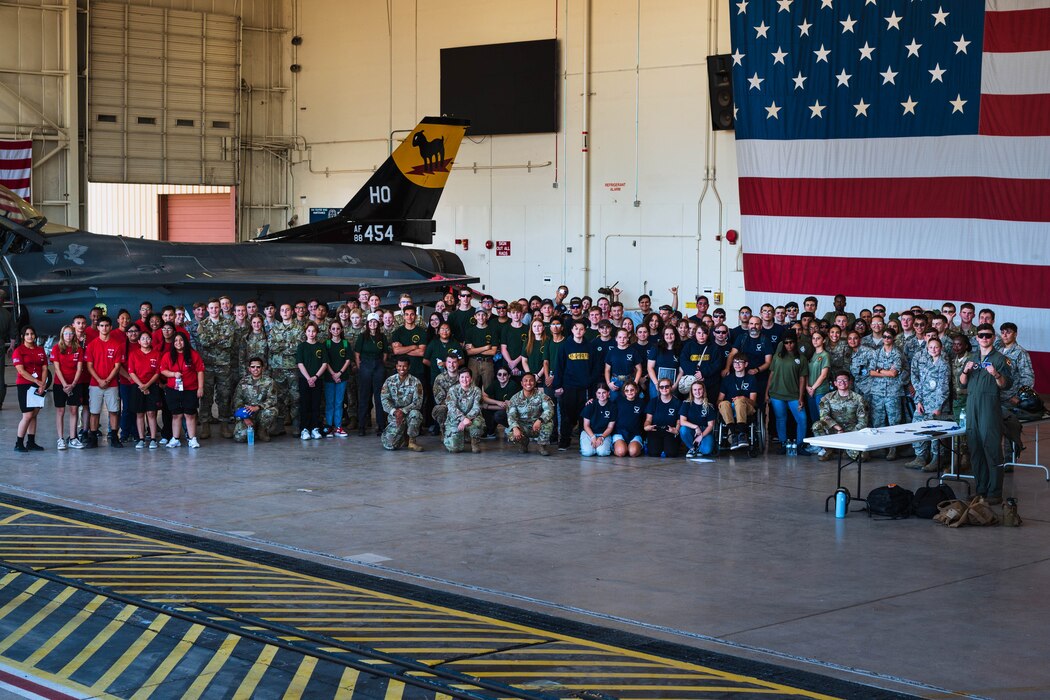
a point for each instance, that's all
(986, 335)
(665, 386)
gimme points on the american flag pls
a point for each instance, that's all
(897, 151)
(16, 162)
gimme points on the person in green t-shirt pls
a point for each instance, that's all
(482, 343)
(787, 389)
(495, 399)
(515, 336)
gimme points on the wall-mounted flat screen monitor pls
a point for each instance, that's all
(502, 88)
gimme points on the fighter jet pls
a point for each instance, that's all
(53, 273)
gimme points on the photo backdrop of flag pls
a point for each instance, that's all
(897, 151)
(16, 164)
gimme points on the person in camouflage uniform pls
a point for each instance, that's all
(838, 350)
(886, 386)
(445, 381)
(351, 332)
(530, 415)
(402, 399)
(258, 393)
(932, 388)
(841, 411)
(861, 364)
(218, 338)
(463, 408)
(254, 343)
(242, 327)
(283, 340)
(1022, 374)
(960, 351)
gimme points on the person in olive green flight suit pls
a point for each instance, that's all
(985, 373)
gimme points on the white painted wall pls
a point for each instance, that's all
(370, 67)
(132, 210)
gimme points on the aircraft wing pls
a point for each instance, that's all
(236, 279)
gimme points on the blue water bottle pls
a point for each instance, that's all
(251, 436)
(841, 501)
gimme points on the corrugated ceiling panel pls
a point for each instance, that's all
(166, 82)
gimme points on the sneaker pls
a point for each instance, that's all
(305, 435)
(163, 442)
(316, 434)
(75, 443)
(813, 450)
(173, 443)
(329, 432)
(61, 444)
(140, 445)
(153, 444)
(693, 452)
(339, 432)
(193, 443)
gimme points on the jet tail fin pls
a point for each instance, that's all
(397, 203)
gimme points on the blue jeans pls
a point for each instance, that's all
(780, 409)
(333, 403)
(813, 404)
(707, 442)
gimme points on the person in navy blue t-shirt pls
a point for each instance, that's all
(737, 400)
(630, 420)
(623, 364)
(698, 422)
(661, 421)
(599, 421)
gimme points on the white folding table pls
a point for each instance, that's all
(871, 439)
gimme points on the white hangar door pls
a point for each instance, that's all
(162, 95)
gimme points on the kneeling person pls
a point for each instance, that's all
(463, 417)
(599, 421)
(841, 411)
(258, 394)
(402, 399)
(530, 415)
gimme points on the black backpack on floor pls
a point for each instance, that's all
(924, 504)
(890, 501)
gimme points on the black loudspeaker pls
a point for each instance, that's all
(720, 84)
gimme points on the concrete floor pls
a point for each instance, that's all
(736, 556)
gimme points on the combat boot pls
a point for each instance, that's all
(917, 463)
(891, 454)
(204, 430)
(227, 430)
(826, 456)
(523, 446)
(262, 434)
(475, 445)
(544, 450)
(414, 446)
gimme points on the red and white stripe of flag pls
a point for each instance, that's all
(16, 166)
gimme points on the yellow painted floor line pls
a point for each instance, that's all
(255, 673)
(301, 678)
(67, 629)
(218, 660)
(101, 638)
(22, 597)
(131, 653)
(394, 690)
(55, 603)
(162, 671)
(13, 517)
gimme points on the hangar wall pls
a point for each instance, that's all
(371, 67)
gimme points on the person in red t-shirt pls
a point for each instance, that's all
(144, 371)
(30, 363)
(145, 310)
(105, 355)
(81, 327)
(67, 362)
(185, 372)
(128, 425)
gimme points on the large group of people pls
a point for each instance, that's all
(542, 370)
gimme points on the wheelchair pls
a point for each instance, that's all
(756, 434)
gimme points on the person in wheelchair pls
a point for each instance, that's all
(737, 400)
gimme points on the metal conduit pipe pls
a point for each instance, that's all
(585, 194)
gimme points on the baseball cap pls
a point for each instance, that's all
(372, 317)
